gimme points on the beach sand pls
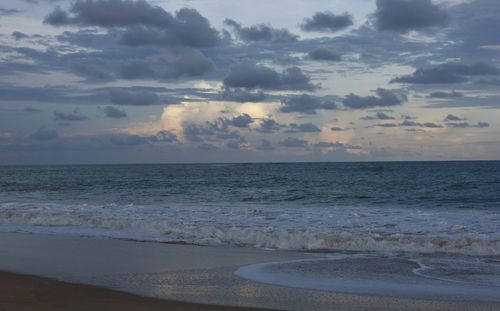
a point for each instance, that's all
(126, 271)
(22, 292)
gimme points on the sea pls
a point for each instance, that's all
(422, 207)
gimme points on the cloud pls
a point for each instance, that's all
(111, 13)
(337, 129)
(144, 24)
(327, 22)
(258, 33)
(164, 137)
(291, 142)
(188, 63)
(306, 104)
(269, 126)
(242, 121)
(441, 94)
(303, 128)
(448, 73)
(114, 113)
(379, 116)
(249, 75)
(125, 97)
(72, 116)
(17, 35)
(241, 95)
(8, 12)
(410, 123)
(464, 125)
(425, 124)
(44, 134)
(136, 140)
(452, 117)
(212, 131)
(322, 54)
(384, 98)
(477, 24)
(406, 15)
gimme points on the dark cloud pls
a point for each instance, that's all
(124, 97)
(410, 123)
(302, 128)
(387, 125)
(241, 95)
(17, 35)
(406, 15)
(111, 13)
(8, 12)
(144, 24)
(71, 116)
(164, 137)
(306, 104)
(269, 126)
(425, 124)
(114, 113)
(247, 74)
(448, 73)
(467, 125)
(136, 140)
(379, 116)
(322, 54)
(327, 22)
(452, 117)
(291, 142)
(384, 98)
(261, 33)
(477, 24)
(442, 94)
(188, 63)
(93, 72)
(211, 131)
(242, 121)
(44, 134)
(337, 129)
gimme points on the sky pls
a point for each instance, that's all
(176, 81)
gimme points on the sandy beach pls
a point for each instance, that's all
(118, 275)
(22, 292)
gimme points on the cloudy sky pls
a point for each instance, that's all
(135, 81)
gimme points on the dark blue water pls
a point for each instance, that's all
(414, 206)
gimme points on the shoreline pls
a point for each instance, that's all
(160, 276)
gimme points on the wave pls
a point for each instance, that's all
(227, 227)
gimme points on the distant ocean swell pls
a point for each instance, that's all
(333, 229)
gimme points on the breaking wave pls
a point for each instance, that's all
(356, 229)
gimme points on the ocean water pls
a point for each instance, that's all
(417, 207)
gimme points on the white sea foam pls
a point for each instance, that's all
(360, 229)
